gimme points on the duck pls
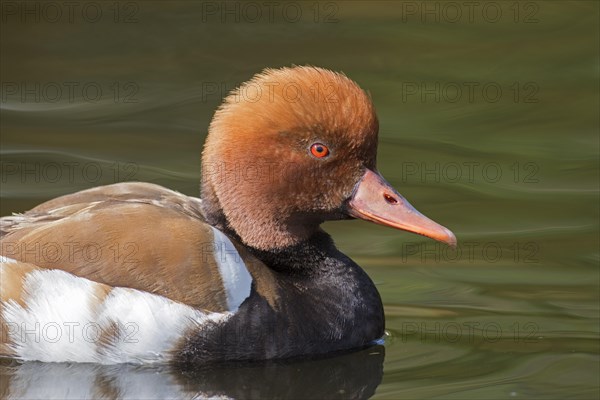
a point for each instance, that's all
(137, 273)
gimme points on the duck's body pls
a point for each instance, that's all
(224, 302)
(243, 274)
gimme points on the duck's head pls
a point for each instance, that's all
(292, 148)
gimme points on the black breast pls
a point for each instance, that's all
(326, 304)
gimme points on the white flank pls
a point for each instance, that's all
(237, 281)
(58, 307)
(150, 325)
(64, 321)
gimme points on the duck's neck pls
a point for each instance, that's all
(267, 228)
(313, 255)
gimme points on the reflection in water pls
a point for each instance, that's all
(347, 376)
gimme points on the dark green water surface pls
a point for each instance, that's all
(489, 125)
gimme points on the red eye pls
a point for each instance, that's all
(319, 150)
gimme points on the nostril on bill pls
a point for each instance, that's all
(390, 199)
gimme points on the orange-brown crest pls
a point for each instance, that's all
(258, 160)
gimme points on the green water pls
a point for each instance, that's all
(489, 125)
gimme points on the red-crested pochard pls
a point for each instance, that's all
(134, 272)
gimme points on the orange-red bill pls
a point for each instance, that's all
(377, 201)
